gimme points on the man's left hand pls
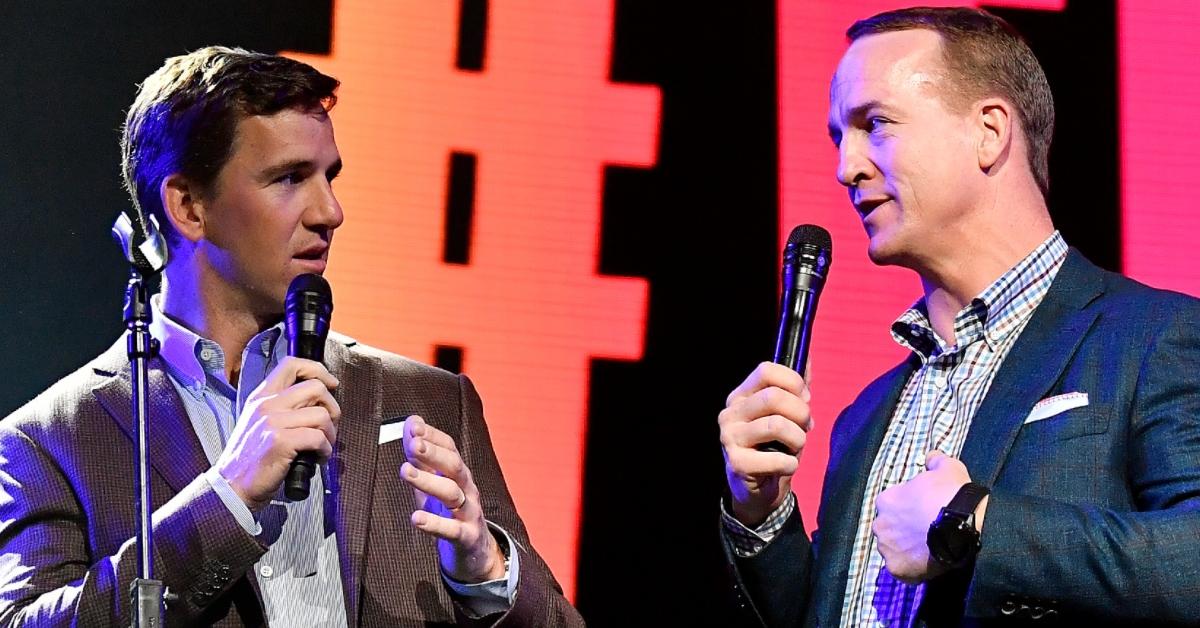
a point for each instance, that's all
(449, 506)
(905, 511)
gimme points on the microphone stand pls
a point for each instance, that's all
(146, 253)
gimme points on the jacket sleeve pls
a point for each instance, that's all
(1120, 564)
(771, 588)
(539, 599)
(50, 577)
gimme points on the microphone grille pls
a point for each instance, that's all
(308, 290)
(811, 235)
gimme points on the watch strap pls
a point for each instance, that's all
(967, 499)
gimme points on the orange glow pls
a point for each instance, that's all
(530, 309)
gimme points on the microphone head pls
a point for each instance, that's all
(809, 249)
(306, 311)
(308, 286)
(814, 235)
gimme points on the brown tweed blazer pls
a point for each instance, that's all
(67, 553)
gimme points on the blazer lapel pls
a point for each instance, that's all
(1032, 367)
(350, 472)
(860, 433)
(175, 452)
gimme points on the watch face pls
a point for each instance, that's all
(952, 539)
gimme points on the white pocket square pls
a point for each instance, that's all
(1051, 406)
(389, 432)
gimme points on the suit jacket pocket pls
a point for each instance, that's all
(1088, 420)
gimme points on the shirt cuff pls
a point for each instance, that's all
(238, 508)
(746, 542)
(493, 596)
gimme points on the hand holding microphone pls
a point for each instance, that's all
(764, 424)
(806, 261)
(306, 311)
(289, 422)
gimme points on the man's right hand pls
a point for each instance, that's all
(772, 404)
(291, 411)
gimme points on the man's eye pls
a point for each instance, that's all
(874, 123)
(291, 178)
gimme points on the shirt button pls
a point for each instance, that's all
(266, 571)
(206, 354)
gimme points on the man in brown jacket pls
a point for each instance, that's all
(233, 154)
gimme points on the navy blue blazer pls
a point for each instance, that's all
(1095, 512)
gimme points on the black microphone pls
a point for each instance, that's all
(306, 313)
(806, 260)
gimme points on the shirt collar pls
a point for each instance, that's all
(190, 357)
(995, 313)
(1012, 298)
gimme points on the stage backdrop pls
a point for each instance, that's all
(473, 220)
(581, 205)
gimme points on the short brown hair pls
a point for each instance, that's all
(984, 56)
(185, 115)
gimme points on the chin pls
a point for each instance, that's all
(879, 250)
(895, 256)
(888, 242)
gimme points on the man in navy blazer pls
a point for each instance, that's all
(1036, 458)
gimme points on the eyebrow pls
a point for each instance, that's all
(278, 170)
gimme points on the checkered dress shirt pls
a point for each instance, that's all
(934, 412)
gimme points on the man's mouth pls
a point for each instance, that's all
(313, 253)
(865, 207)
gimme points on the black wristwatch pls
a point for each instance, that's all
(953, 540)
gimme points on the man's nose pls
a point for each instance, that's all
(853, 164)
(326, 211)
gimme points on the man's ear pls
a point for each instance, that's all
(183, 206)
(994, 123)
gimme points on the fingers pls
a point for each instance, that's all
(436, 468)
(765, 403)
(415, 426)
(751, 463)
(310, 439)
(310, 392)
(315, 418)
(440, 527)
(446, 493)
(766, 375)
(292, 369)
(291, 411)
(472, 555)
(769, 428)
(935, 459)
(452, 499)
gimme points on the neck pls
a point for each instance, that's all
(205, 305)
(974, 257)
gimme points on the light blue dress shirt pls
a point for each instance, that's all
(299, 575)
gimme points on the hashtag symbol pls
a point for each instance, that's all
(536, 124)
